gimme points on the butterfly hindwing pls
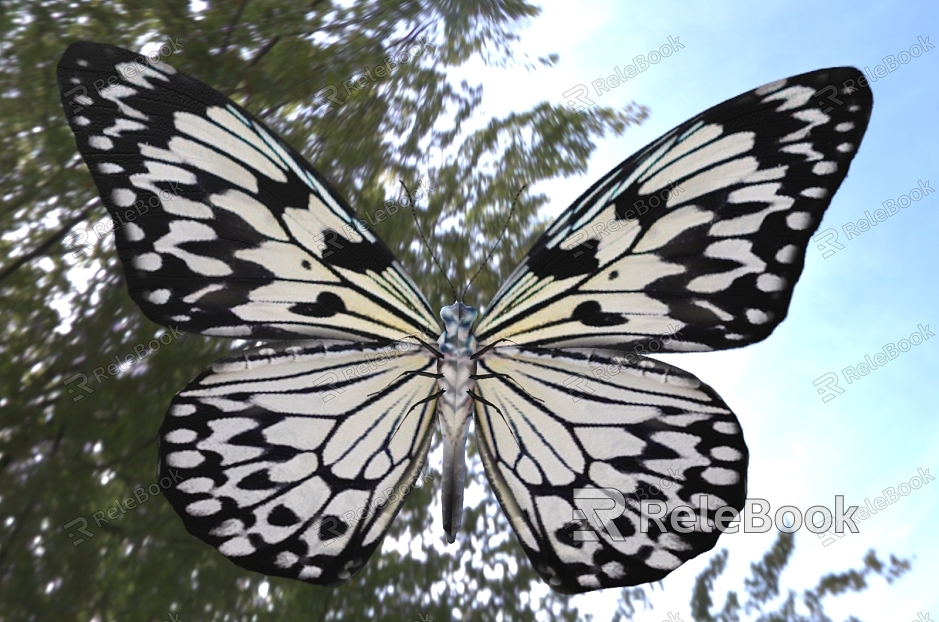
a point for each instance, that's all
(704, 229)
(593, 421)
(222, 227)
(293, 461)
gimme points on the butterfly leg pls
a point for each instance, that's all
(482, 400)
(485, 349)
(426, 374)
(429, 398)
(505, 377)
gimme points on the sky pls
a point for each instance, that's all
(877, 289)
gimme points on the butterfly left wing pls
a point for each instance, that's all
(704, 230)
(222, 227)
(577, 437)
(293, 461)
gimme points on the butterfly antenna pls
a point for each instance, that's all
(426, 245)
(493, 249)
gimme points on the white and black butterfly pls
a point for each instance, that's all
(695, 243)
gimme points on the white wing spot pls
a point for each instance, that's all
(311, 572)
(196, 485)
(159, 297)
(846, 126)
(110, 168)
(236, 547)
(796, 96)
(231, 527)
(845, 147)
(228, 331)
(787, 253)
(663, 560)
(805, 149)
(286, 559)
(766, 89)
(825, 168)
(182, 410)
(614, 570)
(727, 454)
(133, 232)
(205, 507)
(799, 221)
(757, 316)
(181, 436)
(814, 193)
(813, 117)
(726, 427)
(719, 476)
(100, 142)
(121, 125)
(185, 459)
(770, 282)
(148, 262)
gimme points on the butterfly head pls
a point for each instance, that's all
(458, 317)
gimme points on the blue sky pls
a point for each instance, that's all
(875, 290)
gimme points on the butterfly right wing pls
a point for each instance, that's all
(221, 226)
(293, 462)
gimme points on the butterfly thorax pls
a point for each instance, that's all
(456, 370)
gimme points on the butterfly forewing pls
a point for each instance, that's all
(594, 421)
(704, 230)
(222, 227)
(293, 461)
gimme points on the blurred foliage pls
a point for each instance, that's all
(763, 603)
(67, 455)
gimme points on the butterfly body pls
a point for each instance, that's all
(457, 371)
(293, 459)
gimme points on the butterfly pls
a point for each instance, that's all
(293, 458)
